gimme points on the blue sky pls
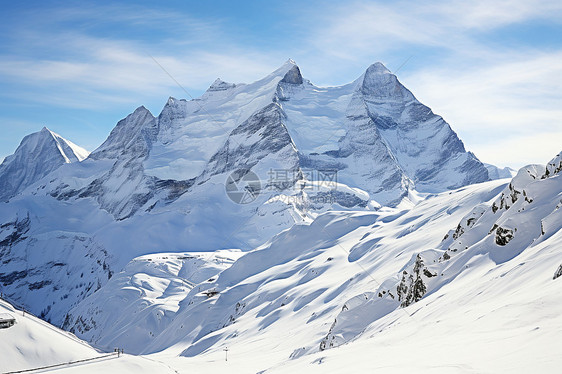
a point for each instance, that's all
(493, 70)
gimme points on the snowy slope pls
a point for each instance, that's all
(286, 293)
(525, 217)
(37, 155)
(32, 343)
(138, 303)
(489, 305)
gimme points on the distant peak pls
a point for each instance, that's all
(220, 85)
(378, 68)
(46, 132)
(283, 69)
(293, 76)
(141, 108)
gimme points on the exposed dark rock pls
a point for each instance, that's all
(38, 285)
(9, 278)
(293, 76)
(412, 288)
(558, 272)
(503, 236)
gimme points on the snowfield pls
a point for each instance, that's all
(416, 259)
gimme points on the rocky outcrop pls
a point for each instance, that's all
(412, 287)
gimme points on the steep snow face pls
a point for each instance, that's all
(424, 145)
(115, 174)
(373, 132)
(37, 155)
(191, 132)
(131, 137)
(48, 263)
(377, 136)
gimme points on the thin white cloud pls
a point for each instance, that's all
(116, 72)
(363, 28)
(515, 101)
(533, 148)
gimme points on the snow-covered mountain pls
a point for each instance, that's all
(37, 155)
(149, 243)
(477, 268)
(158, 183)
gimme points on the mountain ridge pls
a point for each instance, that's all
(169, 172)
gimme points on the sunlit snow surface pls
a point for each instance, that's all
(493, 309)
(130, 247)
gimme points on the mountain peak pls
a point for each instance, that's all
(379, 82)
(293, 76)
(142, 110)
(37, 155)
(130, 137)
(220, 85)
(378, 68)
(283, 69)
(48, 133)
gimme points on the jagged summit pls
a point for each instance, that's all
(69, 150)
(220, 85)
(379, 83)
(282, 70)
(293, 76)
(131, 135)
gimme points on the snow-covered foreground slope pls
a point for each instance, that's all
(284, 296)
(465, 281)
(138, 303)
(32, 342)
(491, 319)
